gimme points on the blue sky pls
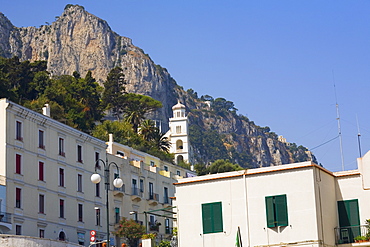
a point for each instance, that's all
(276, 60)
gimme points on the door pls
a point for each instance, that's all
(349, 220)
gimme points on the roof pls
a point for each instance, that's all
(262, 170)
(178, 106)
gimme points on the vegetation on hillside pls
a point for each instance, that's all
(218, 166)
(81, 102)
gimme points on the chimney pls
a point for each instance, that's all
(46, 110)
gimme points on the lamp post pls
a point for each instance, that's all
(117, 182)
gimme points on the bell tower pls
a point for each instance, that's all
(178, 134)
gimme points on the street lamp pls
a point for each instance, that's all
(117, 182)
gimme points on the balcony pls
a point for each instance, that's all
(165, 173)
(168, 230)
(136, 163)
(347, 235)
(153, 199)
(151, 168)
(166, 200)
(136, 194)
(119, 191)
(5, 220)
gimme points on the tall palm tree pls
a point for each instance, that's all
(160, 141)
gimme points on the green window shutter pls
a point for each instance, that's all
(212, 217)
(343, 215)
(270, 215)
(348, 213)
(354, 218)
(207, 218)
(281, 210)
(217, 217)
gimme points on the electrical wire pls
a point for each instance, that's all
(324, 143)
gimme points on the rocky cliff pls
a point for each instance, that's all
(80, 41)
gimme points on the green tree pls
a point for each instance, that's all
(122, 132)
(16, 78)
(147, 128)
(130, 230)
(160, 141)
(136, 106)
(219, 166)
(114, 90)
(73, 100)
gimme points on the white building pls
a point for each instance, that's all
(178, 134)
(288, 205)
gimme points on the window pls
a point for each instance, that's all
(141, 185)
(18, 131)
(41, 171)
(349, 219)
(79, 182)
(41, 204)
(276, 211)
(61, 147)
(117, 215)
(134, 187)
(79, 153)
(97, 190)
(18, 163)
(80, 212)
(178, 129)
(97, 157)
(167, 226)
(178, 173)
(212, 217)
(120, 154)
(165, 197)
(41, 233)
(151, 192)
(18, 230)
(97, 216)
(18, 194)
(165, 168)
(81, 238)
(151, 220)
(61, 208)
(151, 163)
(61, 177)
(179, 144)
(41, 139)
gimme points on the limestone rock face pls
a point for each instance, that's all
(80, 41)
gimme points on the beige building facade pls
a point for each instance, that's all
(45, 186)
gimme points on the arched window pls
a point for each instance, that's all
(62, 236)
(179, 144)
(180, 159)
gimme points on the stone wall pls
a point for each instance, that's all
(26, 241)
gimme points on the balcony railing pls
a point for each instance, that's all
(122, 189)
(166, 200)
(168, 230)
(153, 196)
(346, 235)
(5, 217)
(136, 192)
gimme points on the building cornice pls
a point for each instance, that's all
(25, 113)
(264, 170)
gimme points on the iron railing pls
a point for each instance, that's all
(5, 217)
(346, 235)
